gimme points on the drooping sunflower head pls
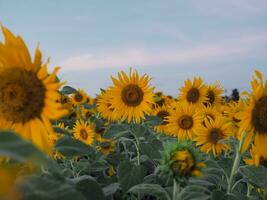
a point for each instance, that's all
(180, 160)
(254, 115)
(132, 96)
(211, 137)
(28, 93)
(214, 93)
(79, 97)
(193, 92)
(184, 121)
(162, 112)
(84, 132)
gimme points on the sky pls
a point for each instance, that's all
(171, 40)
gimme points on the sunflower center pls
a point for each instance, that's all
(163, 114)
(185, 122)
(88, 114)
(211, 97)
(215, 135)
(193, 95)
(78, 97)
(259, 115)
(83, 134)
(132, 95)
(22, 95)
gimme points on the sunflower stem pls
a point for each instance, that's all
(236, 163)
(137, 146)
(174, 192)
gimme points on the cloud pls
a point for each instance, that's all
(233, 48)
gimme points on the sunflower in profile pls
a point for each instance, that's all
(193, 92)
(210, 113)
(104, 106)
(180, 160)
(256, 158)
(84, 132)
(214, 95)
(184, 121)
(28, 93)
(106, 146)
(254, 115)
(132, 96)
(79, 97)
(210, 138)
(162, 112)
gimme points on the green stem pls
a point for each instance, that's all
(138, 152)
(236, 163)
(174, 189)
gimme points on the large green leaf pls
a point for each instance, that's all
(13, 146)
(153, 120)
(48, 188)
(256, 175)
(151, 189)
(70, 147)
(68, 90)
(130, 174)
(89, 188)
(115, 131)
(111, 189)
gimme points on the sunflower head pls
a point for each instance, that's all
(28, 93)
(214, 93)
(162, 112)
(184, 121)
(180, 160)
(84, 132)
(106, 146)
(131, 96)
(210, 138)
(79, 97)
(257, 158)
(193, 92)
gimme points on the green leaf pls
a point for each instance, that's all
(219, 195)
(89, 188)
(62, 131)
(13, 146)
(151, 148)
(68, 90)
(48, 188)
(70, 147)
(256, 175)
(130, 174)
(111, 189)
(151, 189)
(153, 120)
(115, 131)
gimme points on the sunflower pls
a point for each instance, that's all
(184, 121)
(132, 96)
(254, 116)
(214, 94)
(87, 113)
(28, 93)
(210, 113)
(84, 132)
(104, 106)
(162, 112)
(79, 97)
(256, 158)
(180, 160)
(210, 137)
(193, 92)
(106, 146)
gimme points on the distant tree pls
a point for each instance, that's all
(235, 95)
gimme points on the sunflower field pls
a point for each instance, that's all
(128, 142)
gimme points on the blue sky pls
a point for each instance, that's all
(170, 40)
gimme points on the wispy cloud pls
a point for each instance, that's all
(143, 56)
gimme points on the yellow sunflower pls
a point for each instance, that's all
(254, 116)
(87, 113)
(28, 93)
(256, 158)
(162, 112)
(210, 137)
(104, 106)
(214, 94)
(184, 121)
(184, 164)
(210, 113)
(79, 97)
(106, 146)
(132, 96)
(194, 92)
(84, 132)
